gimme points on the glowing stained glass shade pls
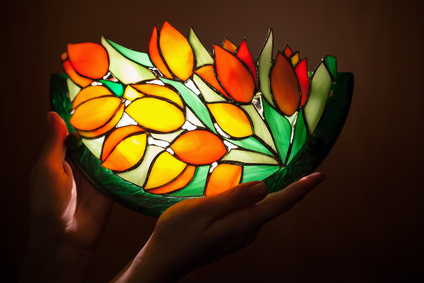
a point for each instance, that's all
(151, 129)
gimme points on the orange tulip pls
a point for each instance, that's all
(199, 147)
(85, 62)
(223, 178)
(124, 148)
(171, 52)
(289, 81)
(234, 72)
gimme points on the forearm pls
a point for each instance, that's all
(49, 261)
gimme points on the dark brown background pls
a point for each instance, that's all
(364, 224)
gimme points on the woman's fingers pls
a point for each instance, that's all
(239, 197)
(277, 203)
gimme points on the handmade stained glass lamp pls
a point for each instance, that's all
(150, 129)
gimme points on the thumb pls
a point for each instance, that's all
(240, 196)
(54, 149)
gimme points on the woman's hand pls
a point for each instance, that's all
(67, 215)
(195, 232)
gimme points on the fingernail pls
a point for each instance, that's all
(259, 190)
(321, 176)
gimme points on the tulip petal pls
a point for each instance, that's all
(295, 58)
(176, 52)
(199, 147)
(287, 51)
(107, 127)
(88, 59)
(244, 54)
(88, 93)
(95, 113)
(301, 71)
(231, 119)
(181, 181)
(165, 169)
(223, 178)
(124, 148)
(285, 86)
(234, 76)
(160, 91)
(155, 55)
(229, 46)
(77, 79)
(118, 136)
(156, 114)
(208, 74)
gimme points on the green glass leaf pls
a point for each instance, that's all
(331, 64)
(249, 157)
(94, 145)
(194, 102)
(125, 70)
(318, 144)
(208, 94)
(202, 55)
(197, 186)
(168, 137)
(115, 88)
(138, 175)
(138, 57)
(320, 88)
(257, 172)
(259, 127)
(73, 89)
(265, 63)
(251, 143)
(299, 138)
(280, 129)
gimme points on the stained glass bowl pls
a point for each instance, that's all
(241, 119)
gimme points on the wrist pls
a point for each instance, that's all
(151, 265)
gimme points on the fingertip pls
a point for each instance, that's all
(316, 177)
(57, 130)
(56, 135)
